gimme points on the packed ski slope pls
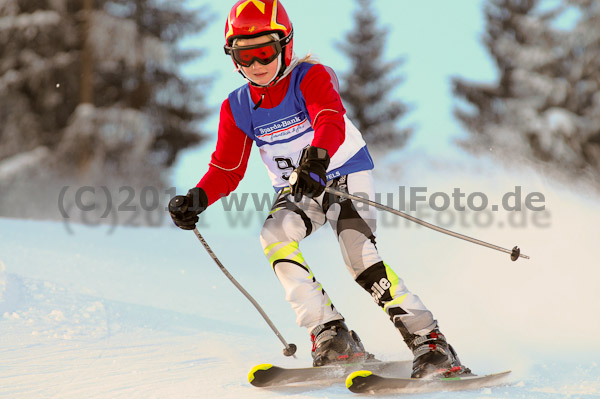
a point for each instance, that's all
(92, 312)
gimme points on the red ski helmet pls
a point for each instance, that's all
(253, 18)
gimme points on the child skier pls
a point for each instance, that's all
(293, 112)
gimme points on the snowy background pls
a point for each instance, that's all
(120, 312)
(108, 310)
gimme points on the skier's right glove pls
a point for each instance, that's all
(184, 209)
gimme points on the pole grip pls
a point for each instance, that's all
(178, 204)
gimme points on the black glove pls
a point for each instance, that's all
(184, 209)
(310, 177)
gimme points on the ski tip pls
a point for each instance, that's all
(257, 369)
(356, 374)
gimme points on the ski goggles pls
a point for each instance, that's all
(263, 53)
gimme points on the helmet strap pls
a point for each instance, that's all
(280, 65)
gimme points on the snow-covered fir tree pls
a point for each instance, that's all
(545, 104)
(100, 85)
(38, 74)
(93, 89)
(369, 84)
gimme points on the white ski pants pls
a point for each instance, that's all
(354, 224)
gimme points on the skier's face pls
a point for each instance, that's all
(258, 73)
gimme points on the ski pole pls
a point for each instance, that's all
(289, 349)
(515, 253)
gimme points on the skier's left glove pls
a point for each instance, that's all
(184, 209)
(310, 177)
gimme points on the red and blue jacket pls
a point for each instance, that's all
(302, 109)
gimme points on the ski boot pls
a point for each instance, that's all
(434, 357)
(333, 343)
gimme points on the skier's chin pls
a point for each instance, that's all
(261, 79)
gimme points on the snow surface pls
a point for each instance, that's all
(96, 312)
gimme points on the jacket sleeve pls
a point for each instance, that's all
(230, 159)
(320, 90)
